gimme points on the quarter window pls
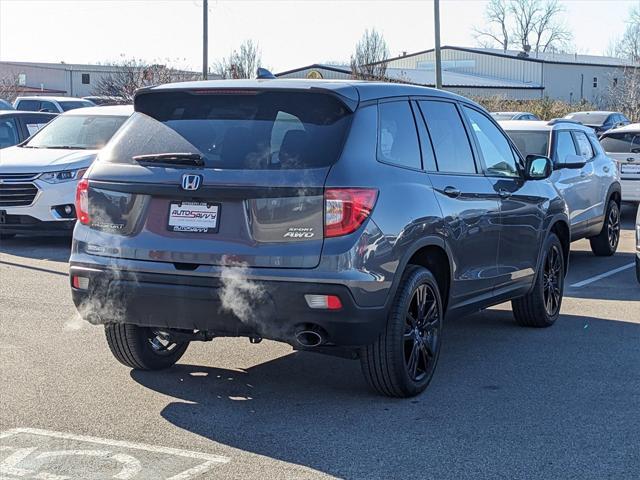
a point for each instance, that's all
(584, 146)
(397, 136)
(448, 136)
(496, 150)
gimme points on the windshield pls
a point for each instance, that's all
(239, 130)
(589, 118)
(531, 143)
(72, 105)
(77, 131)
(622, 142)
(502, 116)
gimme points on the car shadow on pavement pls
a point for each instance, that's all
(55, 249)
(506, 402)
(623, 285)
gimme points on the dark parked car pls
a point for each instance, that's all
(16, 126)
(599, 121)
(341, 217)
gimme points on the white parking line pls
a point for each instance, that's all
(602, 275)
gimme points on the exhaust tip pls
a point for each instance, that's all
(309, 338)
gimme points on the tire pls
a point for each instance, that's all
(606, 242)
(7, 236)
(132, 346)
(410, 333)
(541, 306)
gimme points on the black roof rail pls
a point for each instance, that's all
(555, 121)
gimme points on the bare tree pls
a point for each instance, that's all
(496, 16)
(9, 87)
(130, 75)
(241, 63)
(369, 60)
(628, 46)
(532, 24)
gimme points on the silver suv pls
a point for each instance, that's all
(584, 175)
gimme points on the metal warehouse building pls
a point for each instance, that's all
(491, 72)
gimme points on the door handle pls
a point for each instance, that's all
(606, 169)
(583, 174)
(504, 193)
(452, 192)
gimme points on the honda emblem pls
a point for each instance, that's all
(191, 181)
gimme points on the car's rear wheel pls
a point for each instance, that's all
(541, 306)
(606, 242)
(143, 348)
(401, 362)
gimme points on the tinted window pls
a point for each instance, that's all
(628, 142)
(531, 143)
(397, 137)
(252, 130)
(8, 132)
(564, 146)
(496, 150)
(73, 104)
(77, 131)
(48, 107)
(584, 146)
(449, 137)
(28, 105)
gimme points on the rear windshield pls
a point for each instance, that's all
(84, 132)
(531, 143)
(627, 142)
(589, 118)
(72, 105)
(239, 130)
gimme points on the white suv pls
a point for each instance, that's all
(584, 175)
(623, 145)
(50, 104)
(38, 178)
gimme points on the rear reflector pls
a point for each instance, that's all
(324, 302)
(345, 209)
(81, 283)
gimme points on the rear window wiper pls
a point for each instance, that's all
(191, 159)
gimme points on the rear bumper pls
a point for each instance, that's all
(270, 309)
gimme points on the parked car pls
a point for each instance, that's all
(585, 176)
(623, 145)
(599, 121)
(341, 217)
(15, 126)
(514, 116)
(4, 105)
(102, 100)
(38, 177)
(638, 244)
(50, 104)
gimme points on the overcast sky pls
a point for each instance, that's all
(290, 33)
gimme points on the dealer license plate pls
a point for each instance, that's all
(196, 217)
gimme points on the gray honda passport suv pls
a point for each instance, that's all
(341, 217)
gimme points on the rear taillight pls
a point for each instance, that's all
(345, 209)
(82, 201)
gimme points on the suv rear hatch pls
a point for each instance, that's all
(624, 148)
(217, 177)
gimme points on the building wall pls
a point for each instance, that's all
(571, 83)
(506, 93)
(326, 74)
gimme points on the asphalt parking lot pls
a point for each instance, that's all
(506, 402)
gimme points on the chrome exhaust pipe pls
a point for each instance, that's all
(309, 337)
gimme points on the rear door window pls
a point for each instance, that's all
(564, 146)
(496, 150)
(584, 146)
(397, 136)
(28, 105)
(448, 136)
(46, 106)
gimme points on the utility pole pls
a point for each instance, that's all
(436, 21)
(205, 39)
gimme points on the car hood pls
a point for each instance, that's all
(36, 160)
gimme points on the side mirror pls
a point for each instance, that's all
(538, 167)
(573, 161)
